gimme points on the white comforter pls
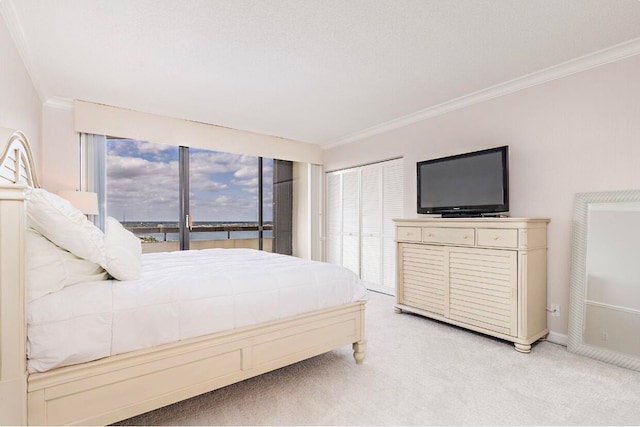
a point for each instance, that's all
(180, 295)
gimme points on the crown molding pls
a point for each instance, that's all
(57, 102)
(583, 63)
(8, 12)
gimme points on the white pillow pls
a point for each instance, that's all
(124, 251)
(59, 221)
(51, 268)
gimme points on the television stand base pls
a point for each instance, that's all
(462, 215)
(471, 215)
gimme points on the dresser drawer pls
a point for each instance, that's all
(455, 236)
(498, 237)
(409, 234)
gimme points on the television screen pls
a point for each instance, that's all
(466, 184)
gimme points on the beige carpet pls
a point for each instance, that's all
(420, 372)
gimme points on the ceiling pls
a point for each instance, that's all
(320, 71)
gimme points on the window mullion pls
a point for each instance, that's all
(185, 216)
(260, 205)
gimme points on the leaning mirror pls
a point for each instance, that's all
(604, 304)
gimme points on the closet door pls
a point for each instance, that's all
(361, 203)
(392, 203)
(371, 236)
(381, 201)
(334, 218)
(351, 220)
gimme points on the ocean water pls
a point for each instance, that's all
(209, 235)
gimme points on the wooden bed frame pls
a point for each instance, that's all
(118, 387)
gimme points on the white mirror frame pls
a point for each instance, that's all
(578, 286)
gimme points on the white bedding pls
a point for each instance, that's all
(179, 295)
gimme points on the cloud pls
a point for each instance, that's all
(222, 200)
(152, 148)
(142, 183)
(217, 162)
(250, 182)
(210, 186)
(246, 172)
(142, 190)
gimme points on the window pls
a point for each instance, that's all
(144, 186)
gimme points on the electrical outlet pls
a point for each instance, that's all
(604, 336)
(555, 310)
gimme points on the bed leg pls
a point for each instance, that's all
(359, 349)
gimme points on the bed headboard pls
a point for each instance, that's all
(17, 171)
(16, 161)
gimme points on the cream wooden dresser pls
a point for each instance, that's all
(484, 274)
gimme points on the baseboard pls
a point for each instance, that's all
(557, 338)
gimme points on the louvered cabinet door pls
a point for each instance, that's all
(423, 277)
(483, 288)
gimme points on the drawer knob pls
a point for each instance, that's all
(429, 235)
(465, 237)
(496, 237)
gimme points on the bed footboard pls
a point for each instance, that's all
(122, 386)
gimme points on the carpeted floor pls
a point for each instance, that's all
(422, 372)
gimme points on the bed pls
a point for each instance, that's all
(130, 377)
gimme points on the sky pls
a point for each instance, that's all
(143, 183)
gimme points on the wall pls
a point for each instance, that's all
(301, 214)
(20, 106)
(60, 150)
(576, 134)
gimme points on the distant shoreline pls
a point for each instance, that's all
(195, 223)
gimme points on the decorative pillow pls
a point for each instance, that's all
(124, 251)
(51, 268)
(59, 221)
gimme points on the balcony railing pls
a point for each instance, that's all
(159, 239)
(164, 230)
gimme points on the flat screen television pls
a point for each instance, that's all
(469, 184)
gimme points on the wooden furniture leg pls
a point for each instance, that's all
(359, 349)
